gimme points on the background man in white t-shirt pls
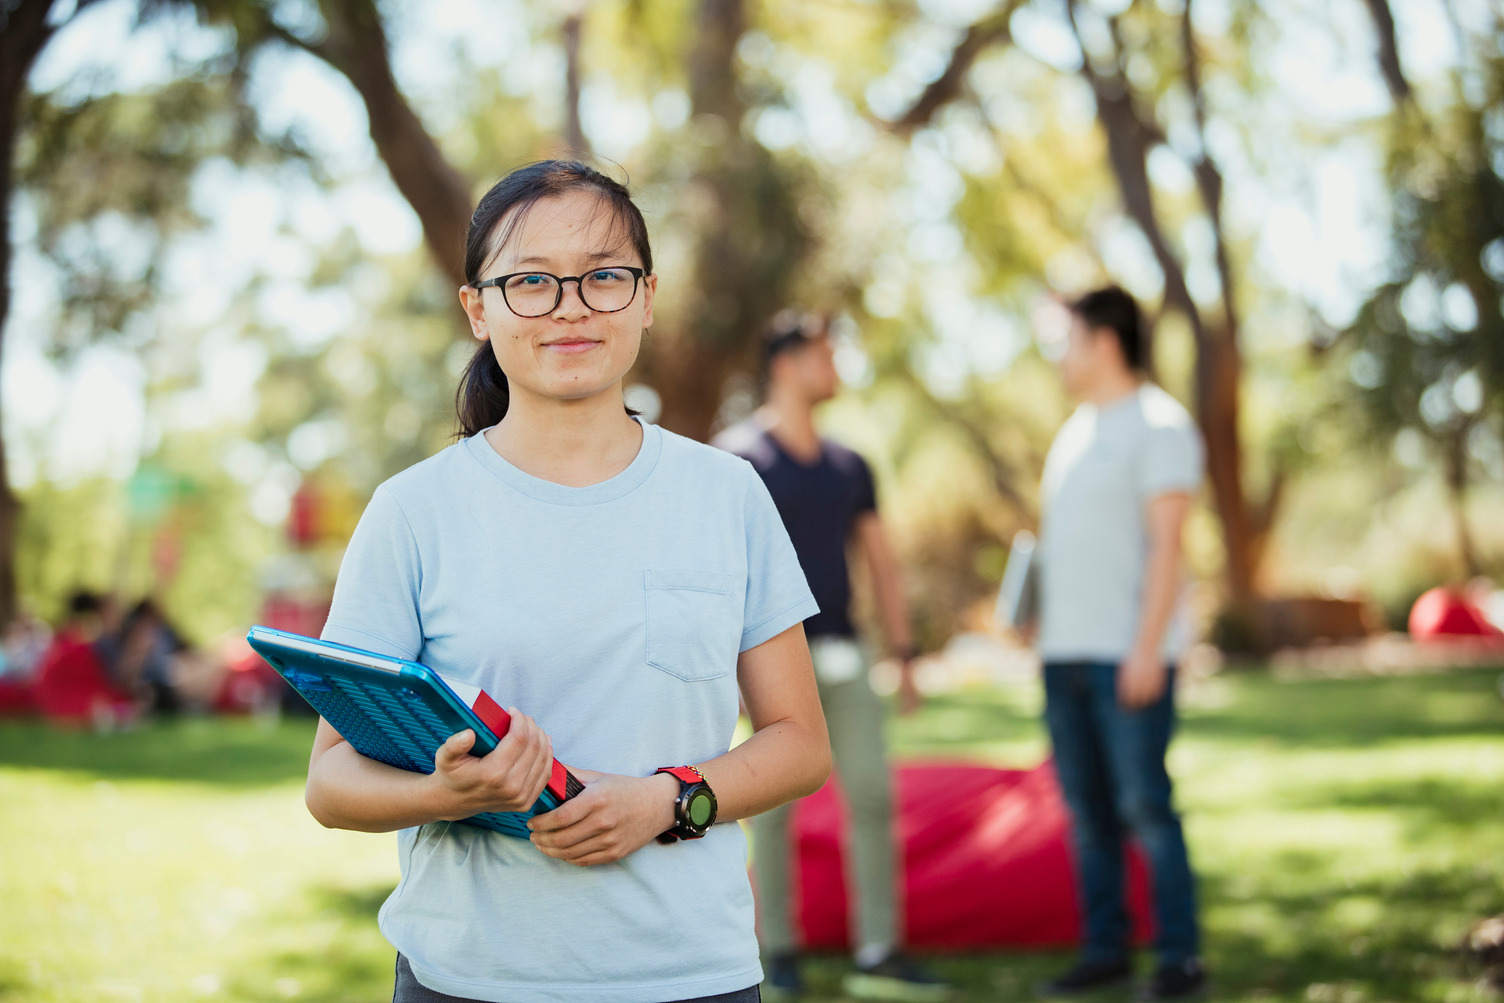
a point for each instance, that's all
(1117, 485)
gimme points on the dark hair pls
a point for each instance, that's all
(146, 613)
(481, 400)
(1111, 307)
(789, 329)
(83, 603)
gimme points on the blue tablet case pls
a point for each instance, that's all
(392, 710)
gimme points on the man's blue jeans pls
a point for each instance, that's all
(1111, 765)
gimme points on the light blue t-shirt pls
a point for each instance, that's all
(1104, 467)
(613, 615)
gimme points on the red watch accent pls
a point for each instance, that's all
(687, 774)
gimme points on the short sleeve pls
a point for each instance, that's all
(865, 499)
(1172, 460)
(376, 595)
(778, 596)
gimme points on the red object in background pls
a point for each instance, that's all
(72, 686)
(1443, 612)
(295, 615)
(987, 862)
(16, 697)
(250, 684)
(303, 515)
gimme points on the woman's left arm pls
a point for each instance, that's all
(787, 757)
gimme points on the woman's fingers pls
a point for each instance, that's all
(599, 847)
(455, 746)
(612, 818)
(511, 777)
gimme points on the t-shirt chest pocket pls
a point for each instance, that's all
(693, 622)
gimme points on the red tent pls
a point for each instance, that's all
(986, 861)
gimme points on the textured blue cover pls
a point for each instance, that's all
(399, 718)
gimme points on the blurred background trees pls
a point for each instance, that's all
(249, 216)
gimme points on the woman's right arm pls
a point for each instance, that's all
(345, 790)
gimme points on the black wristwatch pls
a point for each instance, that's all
(694, 808)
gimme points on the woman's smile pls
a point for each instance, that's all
(573, 344)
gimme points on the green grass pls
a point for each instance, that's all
(1346, 833)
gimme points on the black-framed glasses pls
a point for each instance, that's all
(536, 294)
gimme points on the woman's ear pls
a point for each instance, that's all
(472, 301)
(649, 289)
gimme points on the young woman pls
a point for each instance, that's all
(616, 582)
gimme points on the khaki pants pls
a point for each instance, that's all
(854, 715)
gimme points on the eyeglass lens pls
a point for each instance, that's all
(604, 290)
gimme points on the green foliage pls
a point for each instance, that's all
(1429, 344)
(196, 551)
(111, 181)
(1005, 195)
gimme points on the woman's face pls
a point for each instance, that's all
(573, 352)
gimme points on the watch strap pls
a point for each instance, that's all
(687, 776)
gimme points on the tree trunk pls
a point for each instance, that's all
(712, 84)
(690, 377)
(1456, 476)
(574, 131)
(1218, 368)
(689, 367)
(23, 33)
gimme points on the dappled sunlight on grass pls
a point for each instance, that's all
(142, 887)
(1345, 833)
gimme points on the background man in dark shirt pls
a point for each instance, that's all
(825, 494)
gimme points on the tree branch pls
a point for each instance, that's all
(1001, 471)
(437, 192)
(1208, 177)
(945, 88)
(1022, 181)
(1389, 53)
(1129, 140)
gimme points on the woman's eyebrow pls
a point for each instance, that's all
(534, 259)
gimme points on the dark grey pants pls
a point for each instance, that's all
(409, 990)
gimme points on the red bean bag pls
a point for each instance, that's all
(986, 862)
(1442, 612)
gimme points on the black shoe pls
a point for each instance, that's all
(1184, 981)
(896, 977)
(781, 979)
(1087, 977)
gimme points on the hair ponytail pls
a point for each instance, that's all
(482, 397)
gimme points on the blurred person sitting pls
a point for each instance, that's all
(144, 658)
(25, 641)
(73, 685)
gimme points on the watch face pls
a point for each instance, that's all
(701, 809)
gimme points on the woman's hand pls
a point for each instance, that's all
(508, 778)
(612, 817)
